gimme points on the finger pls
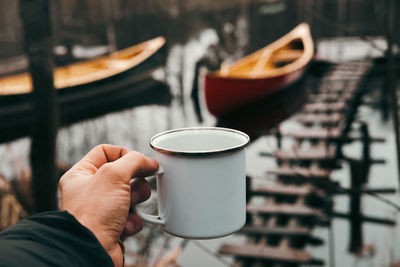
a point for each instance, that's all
(132, 226)
(99, 156)
(140, 191)
(102, 154)
(133, 164)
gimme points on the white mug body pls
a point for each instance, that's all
(202, 190)
(202, 197)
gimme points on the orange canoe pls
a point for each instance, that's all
(83, 73)
(88, 89)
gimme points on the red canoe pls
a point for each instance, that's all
(260, 74)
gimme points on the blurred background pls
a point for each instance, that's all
(47, 123)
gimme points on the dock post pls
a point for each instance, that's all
(357, 169)
(35, 17)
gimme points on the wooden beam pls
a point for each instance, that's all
(324, 119)
(302, 172)
(331, 97)
(280, 189)
(276, 230)
(325, 107)
(325, 134)
(316, 154)
(35, 16)
(266, 252)
(368, 219)
(284, 209)
(313, 133)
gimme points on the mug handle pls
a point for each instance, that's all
(147, 217)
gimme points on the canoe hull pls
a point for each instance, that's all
(128, 89)
(261, 73)
(224, 95)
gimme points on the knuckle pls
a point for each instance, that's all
(106, 169)
(99, 147)
(139, 156)
(141, 159)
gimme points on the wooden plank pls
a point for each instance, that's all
(364, 218)
(325, 107)
(319, 153)
(285, 231)
(280, 189)
(329, 90)
(300, 171)
(345, 77)
(311, 118)
(331, 97)
(312, 133)
(325, 134)
(283, 209)
(266, 252)
(353, 65)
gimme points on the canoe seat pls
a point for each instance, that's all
(117, 64)
(257, 251)
(287, 56)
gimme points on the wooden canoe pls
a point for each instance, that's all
(127, 83)
(87, 72)
(260, 74)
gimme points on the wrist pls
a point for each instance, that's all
(115, 249)
(98, 233)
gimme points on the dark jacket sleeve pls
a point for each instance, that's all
(53, 238)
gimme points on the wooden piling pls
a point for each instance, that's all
(391, 77)
(35, 16)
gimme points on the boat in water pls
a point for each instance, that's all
(87, 89)
(261, 74)
(87, 72)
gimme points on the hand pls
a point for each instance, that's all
(98, 193)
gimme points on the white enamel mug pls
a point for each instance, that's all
(201, 182)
